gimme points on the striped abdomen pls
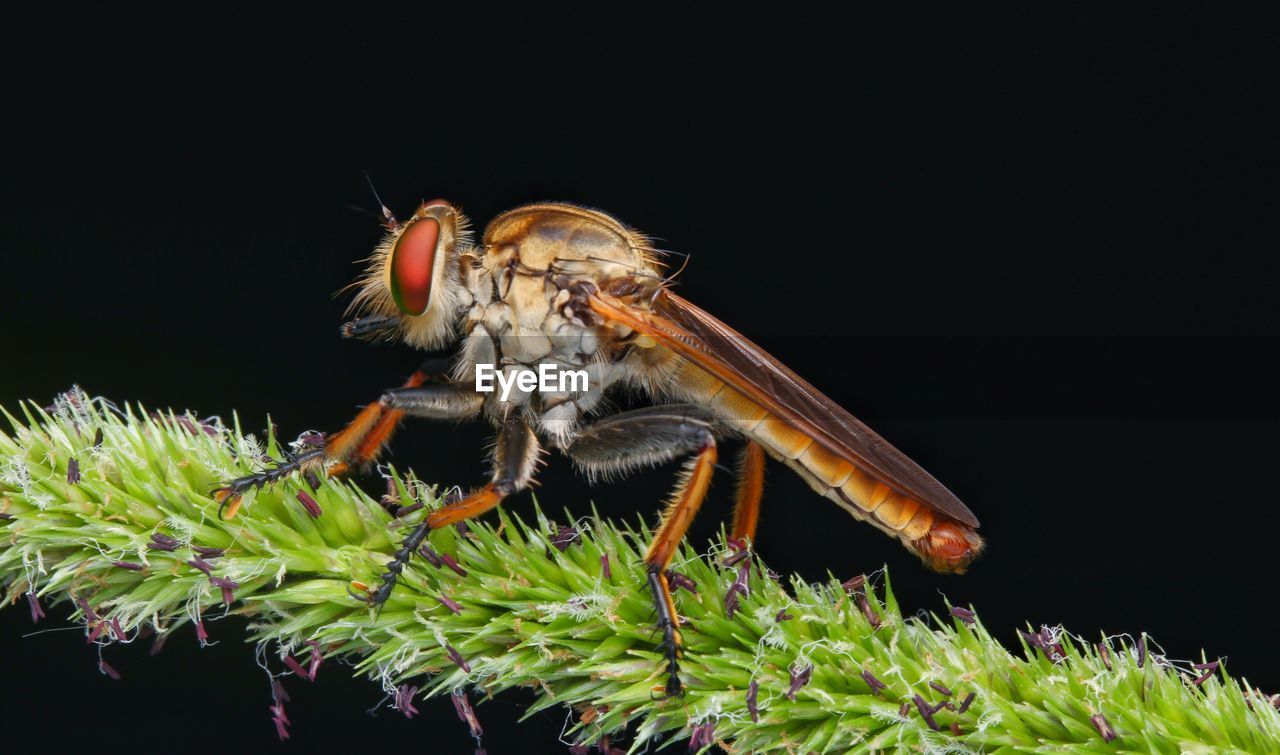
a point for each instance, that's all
(943, 543)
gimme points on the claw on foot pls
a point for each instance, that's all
(369, 596)
(672, 649)
(230, 495)
(228, 502)
(672, 689)
(669, 625)
(359, 591)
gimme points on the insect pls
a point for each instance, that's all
(561, 285)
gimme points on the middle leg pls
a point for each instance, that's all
(515, 460)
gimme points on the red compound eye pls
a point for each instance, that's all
(413, 265)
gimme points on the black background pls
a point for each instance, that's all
(1031, 250)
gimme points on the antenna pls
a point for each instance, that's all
(388, 220)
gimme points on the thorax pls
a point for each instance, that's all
(520, 282)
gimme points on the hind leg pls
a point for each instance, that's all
(644, 437)
(746, 507)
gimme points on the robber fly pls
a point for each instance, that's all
(561, 284)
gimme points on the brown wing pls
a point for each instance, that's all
(696, 335)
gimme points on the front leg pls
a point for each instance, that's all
(364, 437)
(645, 437)
(515, 460)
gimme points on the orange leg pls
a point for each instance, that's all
(685, 502)
(652, 435)
(746, 509)
(357, 444)
(364, 438)
(473, 505)
(683, 506)
(515, 462)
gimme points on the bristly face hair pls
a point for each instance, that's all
(414, 274)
